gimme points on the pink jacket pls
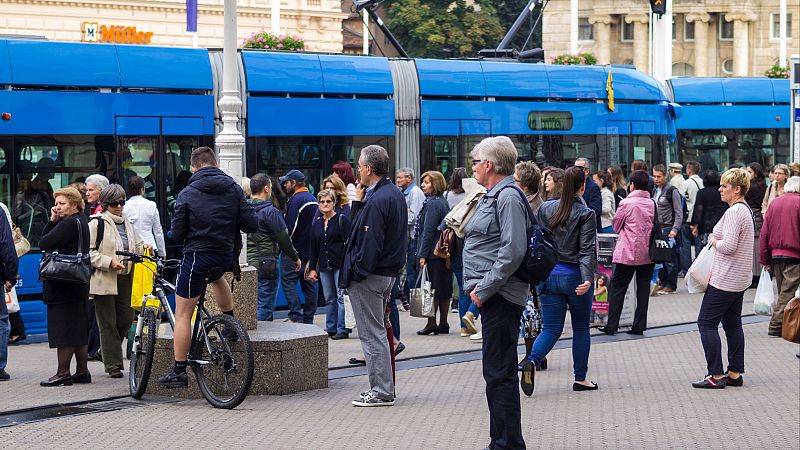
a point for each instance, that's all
(634, 223)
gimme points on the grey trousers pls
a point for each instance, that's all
(369, 299)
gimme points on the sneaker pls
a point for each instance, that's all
(477, 337)
(665, 291)
(737, 382)
(469, 322)
(464, 332)
(339, 336)
(4, 376)
(710, 383)
(454, 306)
(526, 380)
(369, 399)
(173, 380)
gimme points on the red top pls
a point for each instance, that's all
(780, 234)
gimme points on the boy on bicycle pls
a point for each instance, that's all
(209, 214)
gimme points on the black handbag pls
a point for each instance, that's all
(267, 267)
(660, 250)
(72, 269)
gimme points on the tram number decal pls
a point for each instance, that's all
(550, 120)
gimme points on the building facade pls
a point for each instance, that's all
(710, 37)
(163, 22)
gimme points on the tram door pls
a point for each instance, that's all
(158, 150)
(451, 143)
(626, 141)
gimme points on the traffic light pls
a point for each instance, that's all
(658, 7)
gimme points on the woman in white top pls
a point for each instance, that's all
(144, 216)
(345, 172)
(609, 205)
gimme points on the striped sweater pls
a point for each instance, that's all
(732, 269)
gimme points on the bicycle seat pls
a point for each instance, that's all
(214, 273)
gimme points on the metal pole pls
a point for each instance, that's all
(523, 16)
(230, 141)
(782, 33)
(395, 43)
(662, 45)
(573, 26)
(365, 33)
(276, 16)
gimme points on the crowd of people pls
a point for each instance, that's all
(373, 239)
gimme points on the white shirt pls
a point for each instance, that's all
(143, 214)
(414, 200)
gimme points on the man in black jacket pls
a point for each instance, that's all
(375, 254)
(591, 195)
(209, 214)
(8, 270)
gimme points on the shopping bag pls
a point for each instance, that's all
(764, 303)
(12, 303)
(349, 318)
(142, 282)
(699, 272)
(790, 330)
(422, 296)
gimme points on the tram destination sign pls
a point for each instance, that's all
(550, 120)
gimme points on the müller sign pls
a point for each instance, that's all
(94, 32)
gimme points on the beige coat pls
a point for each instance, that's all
(104, 280)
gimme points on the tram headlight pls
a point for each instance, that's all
(6, 116)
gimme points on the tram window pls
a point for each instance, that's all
(709, 147)
(563, 150)
(469, 143)
(5, 177)
(278, 155)
(46, 164)
(445, 154)
(642, 149)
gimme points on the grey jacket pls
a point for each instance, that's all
(670, 208)
(490, 256)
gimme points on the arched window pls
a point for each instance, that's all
(682, 70)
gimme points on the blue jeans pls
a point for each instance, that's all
(267, 292)
(669, 272)
(5, 330)
(411, 267)
(289, 279)
(334, 301)
(464, 302)
(689, 241)
(555, 294)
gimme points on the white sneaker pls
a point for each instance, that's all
(370, 399)
(477, 337)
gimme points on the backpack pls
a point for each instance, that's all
(684, 208)
(542, 252)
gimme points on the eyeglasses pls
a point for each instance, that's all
(477, 161)
(117, 204)
(323, 202)
(516, 180)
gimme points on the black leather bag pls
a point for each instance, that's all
(660, 250)
(267, 267)
(72, 269)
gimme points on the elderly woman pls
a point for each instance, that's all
(328, 237)
(94, 185)
(775, 189)
(731, 275)
(111, 279)
(67, 324)
(432, 214)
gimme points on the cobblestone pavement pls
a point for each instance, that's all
(31, 363)
(645, 401)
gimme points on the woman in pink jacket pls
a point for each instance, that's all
(634, 223)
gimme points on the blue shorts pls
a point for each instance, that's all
(193, 269)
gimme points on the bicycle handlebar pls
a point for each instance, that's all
(136, 257)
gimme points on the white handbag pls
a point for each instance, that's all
(699, 273)
(12, 303)
(422, 296)
(349, 318)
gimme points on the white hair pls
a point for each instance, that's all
(501, 151)
(792, 185)
(99, 181)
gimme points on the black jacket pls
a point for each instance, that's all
(9, 263)
(62, 237)
(576, 240)
(430, 217)
(328, 245)
(708, 209)
(594, 200)
(378, 240)
(210, 212)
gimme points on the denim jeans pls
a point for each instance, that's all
(464, 302)
(411, 266)
(334, 301)
(669, 272)
(689, 241)
(289, 279)
(267, 292)
(555, 294)
(5, 329)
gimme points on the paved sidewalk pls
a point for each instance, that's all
(645, 401)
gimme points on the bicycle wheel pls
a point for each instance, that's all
(225, 370)
(142, 360)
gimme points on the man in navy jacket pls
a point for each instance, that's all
(300, 211)
(375, 254)
(591, 195)
(8, 269)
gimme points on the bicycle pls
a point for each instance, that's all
(221, 354)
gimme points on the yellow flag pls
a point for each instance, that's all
(610, 92)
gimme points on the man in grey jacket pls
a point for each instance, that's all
(670, 216)
(490, 260)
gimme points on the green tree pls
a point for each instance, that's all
(508, 11)
(444, 28)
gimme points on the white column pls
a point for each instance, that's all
(573, 26)
(365, 32)
(230, 142)
(640, 40)
(662, 45)
(602, 37)
(741, 61)
(276, 16)
(782, 33)
(700, 21)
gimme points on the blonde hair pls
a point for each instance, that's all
(330, 193)
(71, 195)
(338, 188)
(736, 177)
(437, 181)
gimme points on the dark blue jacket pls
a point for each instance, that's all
(8, 254)
(433, 211)
(210, 212)
(299, 222)
(378, 240)
(328, 245)
(593, 199)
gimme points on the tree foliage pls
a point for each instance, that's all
(444, 28)
(508, 11)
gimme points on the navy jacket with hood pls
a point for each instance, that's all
(210, 212)
(378, 239)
